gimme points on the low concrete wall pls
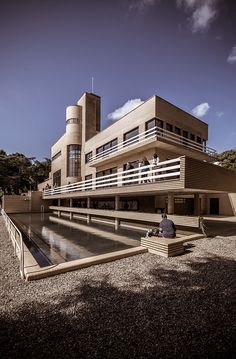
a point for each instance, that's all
(30, 202)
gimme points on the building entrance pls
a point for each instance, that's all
(214, 206)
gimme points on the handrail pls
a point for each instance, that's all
(158, 133)
(140, 175)
(18, 244)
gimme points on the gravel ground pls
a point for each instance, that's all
(144, 306)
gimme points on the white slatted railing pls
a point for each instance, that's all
(17, 241)
(165, 170)
(155, 132)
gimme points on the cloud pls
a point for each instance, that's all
(142, 5)
(123, 110)
(202, 13)
(232, 56)
(201, 109)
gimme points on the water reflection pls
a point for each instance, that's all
(61, 243)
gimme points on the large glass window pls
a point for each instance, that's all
(88, 156)
(177, 130)
(129, 136)
(57, 178)
(155, 122)
(192, 137)
(109, 145)
(169, 127)
(73, 160)
(107, 172)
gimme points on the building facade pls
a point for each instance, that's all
(101, 173)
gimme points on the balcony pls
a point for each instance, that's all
(166, 139)
(150, 174)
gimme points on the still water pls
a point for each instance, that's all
(51, 242)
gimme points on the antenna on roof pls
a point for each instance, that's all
(92, 84)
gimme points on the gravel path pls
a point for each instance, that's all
(144, 306)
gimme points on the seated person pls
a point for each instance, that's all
(167, 227)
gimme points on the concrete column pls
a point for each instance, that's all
(59, 202)
(88, 202)
(70, 202)
(196, 204)
(117, 223)
(117, 203)
(117, 207)
(171, 203)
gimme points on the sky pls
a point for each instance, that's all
(181, 50)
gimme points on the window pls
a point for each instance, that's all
(169, 127)
(177, 131)
(88, 156)
(58, 154)
(72, 121)
(57, 178)
(185, 135)
(89, 184)
(129, 137)
(155, 122)
(199, 140)
(73, 160)
(107, 172)
(108, 147)
(192, 137)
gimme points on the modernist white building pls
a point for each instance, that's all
(89, 176)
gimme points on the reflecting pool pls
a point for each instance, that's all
(51, 242)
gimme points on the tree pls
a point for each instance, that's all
(19, 173)
(227, 159)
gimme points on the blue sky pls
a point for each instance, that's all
(181, 50)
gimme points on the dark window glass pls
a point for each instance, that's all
(58, 154)
(73, 160)
(88, 156)
(192, 137)
(57, 178)
(185, 134)
(107, 146)
(88, 177)
(72, 120)
(155, 122)
(169, 127)
(129, 136)
(107, 172)
(177, 130)
(199, 140)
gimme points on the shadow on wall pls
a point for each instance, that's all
(178, 314)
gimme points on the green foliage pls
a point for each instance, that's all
(227, 159)
(19, 173)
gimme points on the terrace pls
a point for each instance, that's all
(166, 139)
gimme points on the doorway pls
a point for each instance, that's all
(214, 206)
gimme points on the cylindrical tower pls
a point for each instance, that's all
(73, 142)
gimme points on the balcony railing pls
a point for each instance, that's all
(153, 133)
(165, 170)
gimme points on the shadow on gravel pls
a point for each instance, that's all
(180, 314)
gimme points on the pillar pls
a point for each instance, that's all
(71, 213)
(171, 203)
(117, 207)
(196, 204)
(88, 206)
(117, 203)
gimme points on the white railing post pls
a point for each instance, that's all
(17, 242)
